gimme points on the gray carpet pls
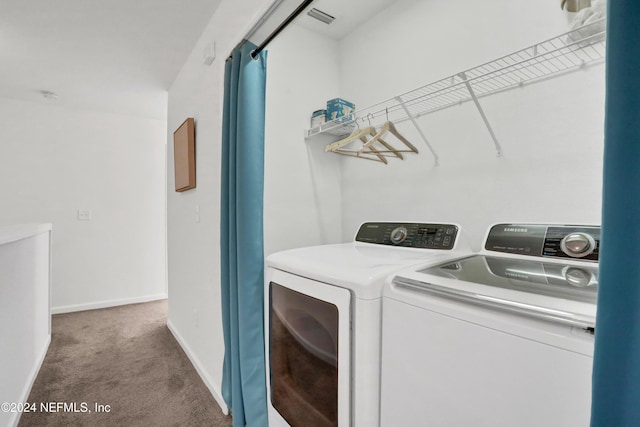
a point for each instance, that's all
(124, 357)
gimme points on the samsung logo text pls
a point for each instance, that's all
(516, 230)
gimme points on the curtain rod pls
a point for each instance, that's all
(281, 27)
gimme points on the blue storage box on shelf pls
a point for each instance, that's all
(341, 109)
(318, 117)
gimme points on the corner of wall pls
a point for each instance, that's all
(193, 217)
(200, 368)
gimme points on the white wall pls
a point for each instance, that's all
(194, 247)
(551, 132)
(57, 160)
(303, 186)
(25, 319)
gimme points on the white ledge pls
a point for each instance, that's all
(13, 233)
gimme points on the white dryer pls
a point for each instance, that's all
(500, 338)
(323, 321)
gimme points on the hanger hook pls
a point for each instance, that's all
(386, 110)
(369, 117)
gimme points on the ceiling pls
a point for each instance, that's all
(118, 56)
(121, 56)
(349, 15)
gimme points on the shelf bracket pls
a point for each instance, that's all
(463, 76)
(415, 124)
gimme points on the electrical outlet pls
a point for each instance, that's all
(84, 214)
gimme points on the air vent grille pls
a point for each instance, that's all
(321, 16)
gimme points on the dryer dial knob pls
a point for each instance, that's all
(578, 245)
(398, 235)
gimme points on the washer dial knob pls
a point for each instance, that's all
(578, 245)
(398, 235)
(578, 277)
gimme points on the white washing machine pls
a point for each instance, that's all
(323, 321)
(502, 338)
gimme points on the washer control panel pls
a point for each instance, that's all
(555, 241)
(409, 234)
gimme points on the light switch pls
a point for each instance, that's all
(84, 214)
(197, 213)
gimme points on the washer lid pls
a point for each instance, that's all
(552, 290)
(360, 267)
(577, 283)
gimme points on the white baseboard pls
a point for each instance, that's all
(211, 385)
(13, 421)
(106, 304)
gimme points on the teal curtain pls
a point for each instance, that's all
(241, 241)
(616, 371)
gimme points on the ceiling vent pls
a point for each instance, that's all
(321, 16)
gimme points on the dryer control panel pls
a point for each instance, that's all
(580, 242)
(409, 234)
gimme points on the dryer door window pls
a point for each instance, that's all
(304, 348)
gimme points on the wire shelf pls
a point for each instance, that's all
(564, 53)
